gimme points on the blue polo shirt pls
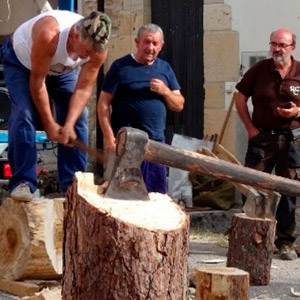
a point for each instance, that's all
(133, 104)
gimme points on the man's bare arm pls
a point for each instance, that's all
(82, 93)
(174, 99)
(104, 112)
(45, 34)
(242, 109)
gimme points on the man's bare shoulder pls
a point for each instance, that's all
(45, 33)
(45, 29)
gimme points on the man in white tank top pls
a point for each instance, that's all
(56, 57)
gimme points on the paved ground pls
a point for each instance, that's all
(284, 274)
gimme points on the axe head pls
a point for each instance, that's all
(261, 205)
(126, 180)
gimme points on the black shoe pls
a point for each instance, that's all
(287, 252)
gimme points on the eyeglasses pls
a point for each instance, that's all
(280, 45)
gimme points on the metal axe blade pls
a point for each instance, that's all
(127, 181)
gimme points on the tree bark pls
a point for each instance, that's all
(123, 249)
(222, 283)
(22, 241)
(250, 248)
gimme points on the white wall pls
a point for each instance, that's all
(256, 19)
(15, 12)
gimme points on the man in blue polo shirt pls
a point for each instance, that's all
(137, 91)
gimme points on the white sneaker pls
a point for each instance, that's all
(22, 193)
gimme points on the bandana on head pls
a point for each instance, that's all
(98, 26)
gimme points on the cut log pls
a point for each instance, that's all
(46, 294)
(54, 214)
(123, 249)
(250, 248)
(22, 241)
(28, 288)
(19, 288)
(222, 283)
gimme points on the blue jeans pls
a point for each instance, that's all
(22, 153)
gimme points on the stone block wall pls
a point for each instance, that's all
(221, 65)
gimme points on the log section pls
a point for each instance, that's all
(222, 283)
(250, 248)
(22, 241)
(54, 214)
(123, 249)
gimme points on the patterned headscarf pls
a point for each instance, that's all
(98, 27)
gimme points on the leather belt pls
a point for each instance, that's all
(276, 131)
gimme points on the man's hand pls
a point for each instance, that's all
(173, 99)
(67, 135)
(53, 131)
(158, 86)
(253, 132)
(288, 112)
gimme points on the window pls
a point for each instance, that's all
(250, 58)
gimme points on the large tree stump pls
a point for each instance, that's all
(250, 248)
(23, 231)
(123, 249)
(221, 283)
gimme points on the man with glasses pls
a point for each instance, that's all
(274, 127)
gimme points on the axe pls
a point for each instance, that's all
(133, 146)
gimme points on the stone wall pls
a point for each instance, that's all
(221, 71)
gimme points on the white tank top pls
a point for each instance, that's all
(61, 61)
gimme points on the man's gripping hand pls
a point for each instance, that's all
(53, 131)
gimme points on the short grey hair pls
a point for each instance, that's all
(150, 28)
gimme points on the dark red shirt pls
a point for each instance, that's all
(264, 84)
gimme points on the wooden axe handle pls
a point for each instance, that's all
(227, 118)
(98, 155)
(174, 157)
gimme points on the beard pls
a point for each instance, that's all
(280, 58)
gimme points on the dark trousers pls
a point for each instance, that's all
(279, 152)
(22, 151)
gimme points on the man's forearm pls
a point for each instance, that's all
(174, 101)
(105, 123)
(40, 98)
(243, 111)
(78, 101)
